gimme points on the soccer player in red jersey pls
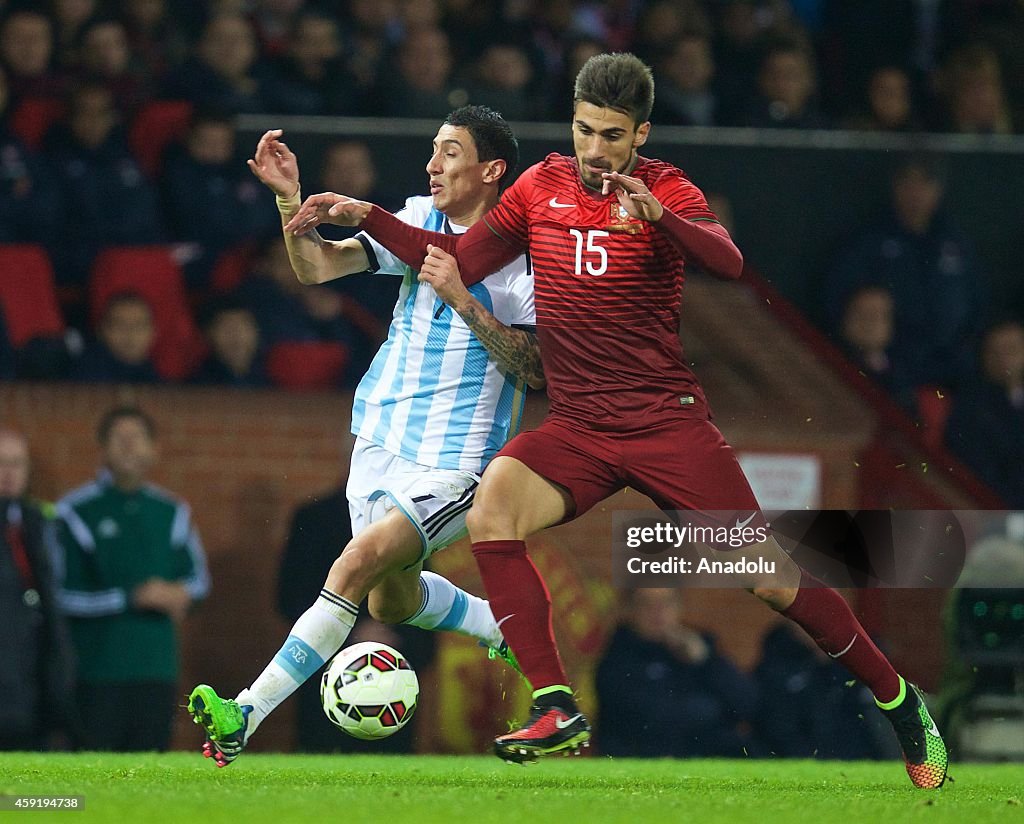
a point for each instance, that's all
(609, 232)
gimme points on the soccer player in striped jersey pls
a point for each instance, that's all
(608, 232)
(440, 399)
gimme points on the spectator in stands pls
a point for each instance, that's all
(121, 353)
(423, 85)
(26, 52)
(663, 24)
(577, 52)
(738, 53)
(274, 21)
(370, 32)
(973, 93)
(37, 676)
(70, 18)
(1001, 26)
(663, 689)
(105, 58)
(211, 199)
(550, 27)
(317, 529)
(808, 709)
(158, 42)
(866, 34)
(888, 103)
(867, 335)
(233, 337)
(986, 426)
(221, 74)
(311, 76)
(786, 83)
(503, 79)
(685, 96)
(348, 166)
(113, 202)
(419, 14)
(133, 567)
(28, 197)
(921, 256)
(288, 312)
(472, 25)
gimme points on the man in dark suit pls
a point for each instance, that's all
(36, 679)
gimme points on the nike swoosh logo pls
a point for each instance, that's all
(503, 620)
(934, 730)
(740, 524)
(554, 204)
(838, 654)
(567, 722)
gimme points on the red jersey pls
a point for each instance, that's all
(607, 293)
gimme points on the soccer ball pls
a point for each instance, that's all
(369, 690)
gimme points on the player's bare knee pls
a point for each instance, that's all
(362, 559)
(387, 610)
(489, 523)
(778, 598)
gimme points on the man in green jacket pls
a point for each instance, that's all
(133, 566)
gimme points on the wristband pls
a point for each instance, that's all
(289, 205)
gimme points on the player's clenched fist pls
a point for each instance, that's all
(441, 271)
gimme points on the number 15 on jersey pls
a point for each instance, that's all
(592, 249)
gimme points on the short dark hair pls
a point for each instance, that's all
(492, 135)
(120, 413)
(210, 115)
(619, 81)
(213, 309)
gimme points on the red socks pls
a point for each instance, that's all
(828, 619)
(522, 607)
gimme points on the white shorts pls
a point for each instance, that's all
(434, 500)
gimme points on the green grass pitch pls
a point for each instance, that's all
(389, 790)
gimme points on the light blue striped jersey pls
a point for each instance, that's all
(432, 394)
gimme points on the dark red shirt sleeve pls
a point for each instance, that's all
(693, 228)
(491, 243)
(677, 194)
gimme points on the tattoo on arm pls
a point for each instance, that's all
(515, 350)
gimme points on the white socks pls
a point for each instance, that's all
(323, 628)
(446, 607)
(319, 633)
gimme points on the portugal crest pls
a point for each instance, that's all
(619, 220)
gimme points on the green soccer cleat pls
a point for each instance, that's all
(224, 720)
(924, 751)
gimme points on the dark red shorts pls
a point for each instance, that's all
(682, 464)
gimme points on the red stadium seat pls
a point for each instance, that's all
(157, 124)
(933, 407)
(27, 294)
(231, 268)
(34, 117)
(152, 273)
(307, 367)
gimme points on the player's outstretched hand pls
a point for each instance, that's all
(327, 208)
(275, 164)
(633, 196)
(441, 271)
